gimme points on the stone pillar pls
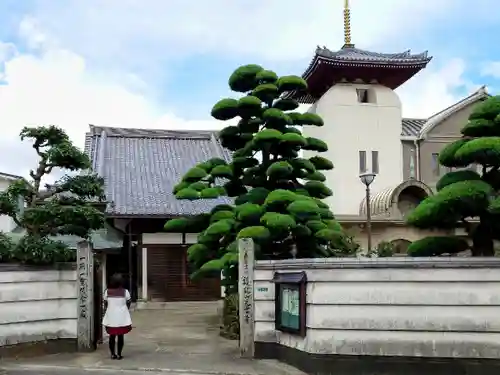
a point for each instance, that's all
(85, 282)
(246, 296)
(144, 290)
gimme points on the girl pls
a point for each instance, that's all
(117, 319)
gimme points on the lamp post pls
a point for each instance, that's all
(367, 179)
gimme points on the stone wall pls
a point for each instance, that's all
(37, 305)
(409, 312)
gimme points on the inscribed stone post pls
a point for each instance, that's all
(246, 296)
(85, 284)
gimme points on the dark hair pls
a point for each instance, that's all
(116, 281)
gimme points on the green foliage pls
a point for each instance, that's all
(466, 198)
(244, 78)
(435, 246)
(6, 248)
(320, 163)
(41, 250)
(195, 174)
(70, 206)
(457, 176)
(188, 193)
(230, 327)
(315, 144)
(277, 195)
(383, 250)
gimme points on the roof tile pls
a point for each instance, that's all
(410, 127)
(140, 168)
(356, 54)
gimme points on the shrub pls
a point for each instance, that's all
(465, 195)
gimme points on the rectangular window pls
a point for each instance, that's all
(362, 162)
(374, 161)
(435, 164)
(362, 95)
(413, 173)
(366, 96)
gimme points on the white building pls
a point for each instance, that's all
(362, 116)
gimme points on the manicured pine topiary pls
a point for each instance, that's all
(44, 211)
(465, 197)
(277, 194)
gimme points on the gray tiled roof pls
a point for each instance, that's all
(10, 176)
(356, 54)
(141, 166)
(410, 127)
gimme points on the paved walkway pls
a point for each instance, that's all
(182, 338)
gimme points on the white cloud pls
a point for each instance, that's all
(435, 89)
(491, 69)
(277, 29)
(57, 88)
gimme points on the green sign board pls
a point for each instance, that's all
(290, 302)
(290, 307)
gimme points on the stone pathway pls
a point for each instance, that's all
(182, 338)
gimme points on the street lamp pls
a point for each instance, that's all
(367, 179)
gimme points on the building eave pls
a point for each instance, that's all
(10, 177)
(441, 116)
(383, 62)
(408, 138)
(373, 64)
(361, 220)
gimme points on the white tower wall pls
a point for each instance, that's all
(352, 126)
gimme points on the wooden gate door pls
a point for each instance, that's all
(168, 271)
(207, 288)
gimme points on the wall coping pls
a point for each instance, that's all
(396, 262)
(18, 267)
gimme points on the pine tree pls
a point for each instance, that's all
(466, 198)
(277, 194)
(66, 207)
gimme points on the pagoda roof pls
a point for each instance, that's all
(350, 64)
(352, 54)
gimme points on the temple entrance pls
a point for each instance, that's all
(125, 262)
(168, 276)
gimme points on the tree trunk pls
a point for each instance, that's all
(482, 241)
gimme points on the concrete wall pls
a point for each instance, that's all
(37, 305)
(388, 231)
(404, 307)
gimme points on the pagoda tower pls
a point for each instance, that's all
(353, 91)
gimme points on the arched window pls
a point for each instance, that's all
(409, 198)
(400, 246)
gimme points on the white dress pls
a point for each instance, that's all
(117, 313)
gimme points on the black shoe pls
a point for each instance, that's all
(114, 356)
(120, 357)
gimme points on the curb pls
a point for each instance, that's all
(36, 368)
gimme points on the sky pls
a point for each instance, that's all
(163, 64)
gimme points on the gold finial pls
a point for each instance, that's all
(347, 25)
